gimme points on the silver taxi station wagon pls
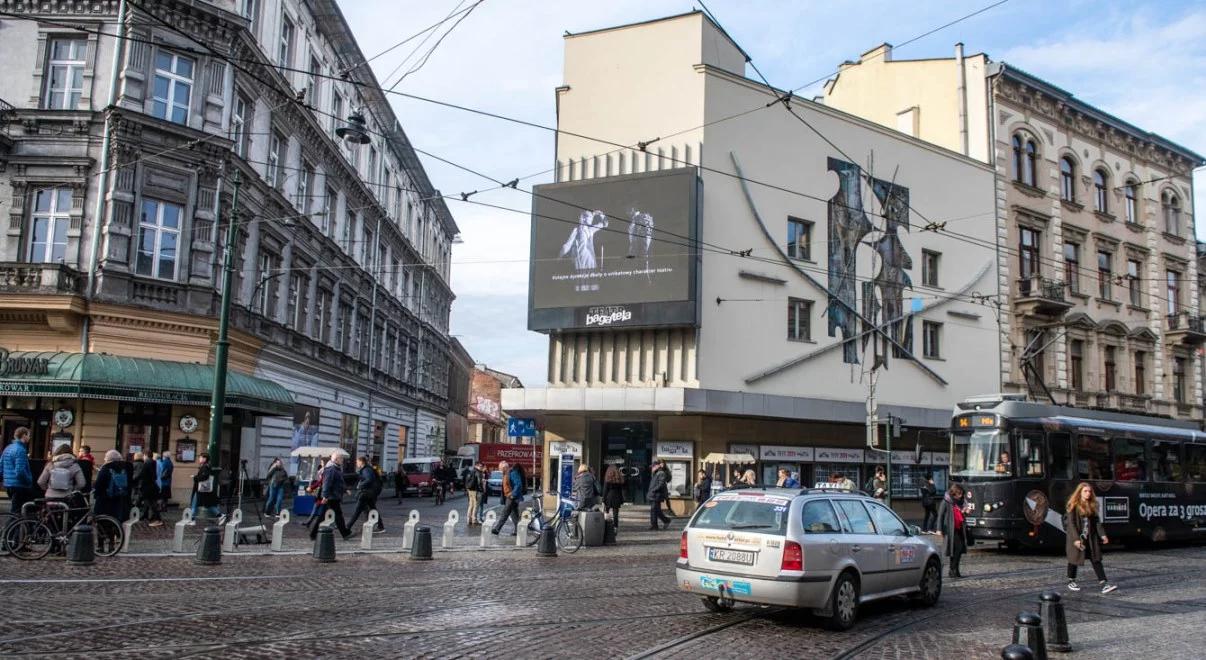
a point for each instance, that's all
(820, 549)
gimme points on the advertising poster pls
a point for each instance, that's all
(305, 431)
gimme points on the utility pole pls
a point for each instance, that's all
(217, 403)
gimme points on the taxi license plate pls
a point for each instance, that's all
(731, 556)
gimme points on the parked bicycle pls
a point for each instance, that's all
(46, 525)
(563, 522)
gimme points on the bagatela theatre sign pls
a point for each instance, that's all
(22, 366)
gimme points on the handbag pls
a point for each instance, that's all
(206, 486)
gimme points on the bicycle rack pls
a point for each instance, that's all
(128, 527)
(408, 530)
(521, 532)
(186, 519)
(278, 530)
(450, 528)
(366, 530)
(232, 531)
(488, 524)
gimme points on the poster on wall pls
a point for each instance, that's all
(349, 437)
(305, 431)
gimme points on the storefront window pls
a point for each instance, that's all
(823, 473)
(143, 429)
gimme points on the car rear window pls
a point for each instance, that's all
(754, 513)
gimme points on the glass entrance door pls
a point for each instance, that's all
(630, 445)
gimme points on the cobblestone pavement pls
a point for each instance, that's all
(618, 601)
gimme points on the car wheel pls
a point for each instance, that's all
(713, 604)
(843, 603)
(931, 584)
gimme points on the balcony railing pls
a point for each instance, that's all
(21, 277)
(1041, 287)
(1186, 321)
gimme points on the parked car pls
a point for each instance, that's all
(420, 473)
(818, 549)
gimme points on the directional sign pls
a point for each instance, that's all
(521, 427)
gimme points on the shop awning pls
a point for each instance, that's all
(142, 380)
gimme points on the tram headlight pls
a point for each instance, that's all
(987, 508)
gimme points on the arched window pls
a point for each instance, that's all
(1131, 190)
(1067, 179)
(1017, 157)
(1171, 207)
(1101, 181)
(1030, 164)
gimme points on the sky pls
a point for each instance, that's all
(1144, 62)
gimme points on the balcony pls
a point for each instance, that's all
(1041, 297)
(49, 279)
(1185, 328)
(7, 114)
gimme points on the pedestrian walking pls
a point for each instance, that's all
(1085, 536)
(163, 478)
(368, 489)
(929, 502)
(145, 492)
(332, 496)
(88, 465)
(513, 492)
(586, 489)
(786, 480)
(703, 487)
(399, 481)
(473, 488)
(315, 489)
(14, 467)
(658, 492)
(205, 488)
(111, 490)
(613, 493)
(952, 528)
(277, 479)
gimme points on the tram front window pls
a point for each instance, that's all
(983, 453)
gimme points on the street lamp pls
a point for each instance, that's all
(217, 403)
(355, 131)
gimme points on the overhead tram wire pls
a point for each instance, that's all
(412, 37)
(415, 50)
(436, 45)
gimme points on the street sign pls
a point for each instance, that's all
(521, 427)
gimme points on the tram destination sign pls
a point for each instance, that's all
(22, 365)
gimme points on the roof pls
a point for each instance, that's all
(673, 17)
(121, 378)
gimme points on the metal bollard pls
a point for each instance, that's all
(422, 546)
(487, 524)
(547, 545)
(324, 545)
(1054, 622)
(1016, 652)
(128, 528)
(366, 530)
(1028, 631)
(521, 530)
(232, 531)
(408, 530)
(278, 530)
(186, 520)
(209, 551)
(450, 529)
(81, 547)
(609, 532)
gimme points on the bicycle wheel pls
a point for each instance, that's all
(108, 535)
(536, 527)
(6, 519)
(28, 539)
(569, 535)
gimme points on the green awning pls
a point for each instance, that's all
(143, 380)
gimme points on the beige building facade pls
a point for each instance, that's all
(1094, 227)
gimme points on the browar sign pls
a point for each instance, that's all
(24, 365)
(618, 251)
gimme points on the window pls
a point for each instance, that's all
(1111, 368)
(1130, 459)
(931, 339)
(240, 119)
(251, 11)
(322, 317)
(799, 239)
(284, 54)
(328, 210)
(1105, 275)
(1170, 206)
(1093, 458)
(885, 521)
(726, 514)
(1101, 190)
(65, 79)
(1140, 372)
(1029, 461)
(1072, 266)
(313, 81)
(343, 326)
(1195, 462)
(295, 309)
(274, 175)
(336, 112)
(1178, 383)
(1132, 282)
(371, 174)
(158, 237)
(172, 87)
(51, 218)
(305, 187)
(1076, 367)
(395, 266)
(1029, 165)
(366, 252)
(1174, 291)
(1131, 191)
(1025, 153)
(1060, 445)
(265, 302)
(857, 521)
(1067, 179)
(1028, 252)
(799, 319)
(929, 267)
(1166, 461)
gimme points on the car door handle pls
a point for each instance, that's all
(891, 548)
(856, 548)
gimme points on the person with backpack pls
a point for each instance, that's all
(473, 488)
(111, 490)
(367, 492)
(62, 476)
(205, 488)
(276, 478)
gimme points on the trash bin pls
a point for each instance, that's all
(593, 524)
(303, 505)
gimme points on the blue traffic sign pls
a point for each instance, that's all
(521, 427)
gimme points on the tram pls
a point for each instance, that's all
(1020, 461)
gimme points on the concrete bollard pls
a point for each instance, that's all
(278, 530)
(522, 530)
(547, 545)
(366, 530)
(487, 524)
(81, 547)
(450, 529)
(231, 537)
(324, 545)
(422, 546)
(408, 530)
(209, 550)
(1054, 622)
(328, 519)
(1028, 631)
(1016, 652)
(186, 520)
(128, 528)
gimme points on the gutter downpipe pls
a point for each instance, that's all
(103, 177)
(962, 66)
(996, 212)
(373, 270)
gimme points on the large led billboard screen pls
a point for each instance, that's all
(616, 251)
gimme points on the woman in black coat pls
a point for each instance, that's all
(112, 487)
(703, 487)
(613, 493)
(1084, 536)
(952, 528)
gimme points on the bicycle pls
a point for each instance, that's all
(438, 492)
(563, 523)
(46, 525)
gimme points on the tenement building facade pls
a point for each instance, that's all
(126, 131)
(1094, 226)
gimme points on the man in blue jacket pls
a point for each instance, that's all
(14, 466)
(513, 492)
(332, 496)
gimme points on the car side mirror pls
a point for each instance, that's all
(913, 530)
